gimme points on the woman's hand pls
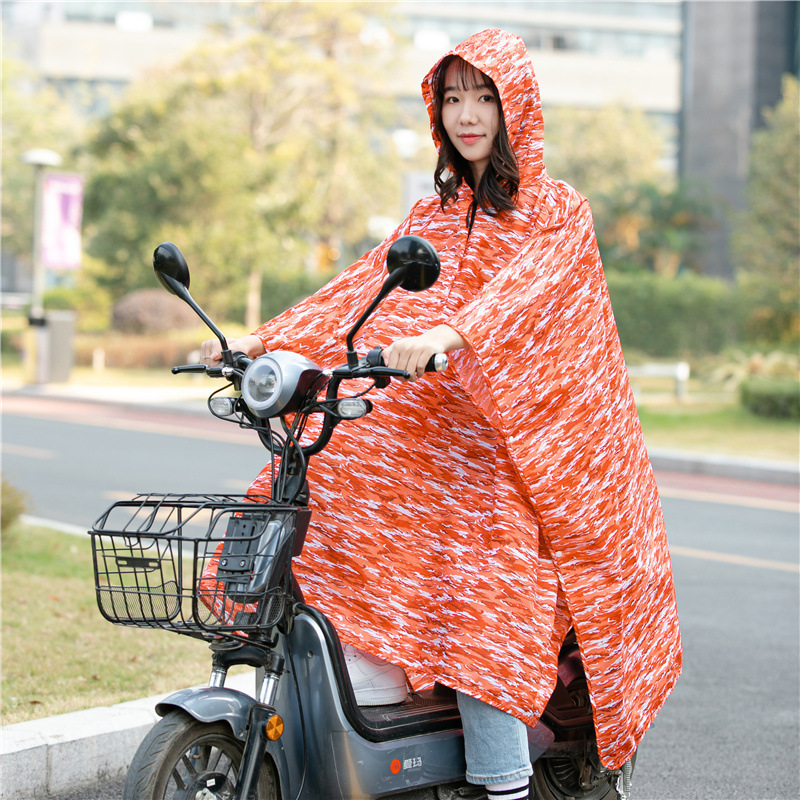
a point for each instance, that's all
(211, 351)
(413, 352)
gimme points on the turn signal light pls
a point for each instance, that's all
(274, 728)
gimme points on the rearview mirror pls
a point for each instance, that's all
(414, 265)
(418, 258)
(172, 272)
(171, 269)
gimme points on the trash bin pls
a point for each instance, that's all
(50, 353)
(61, 327)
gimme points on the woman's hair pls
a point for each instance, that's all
(497, 190)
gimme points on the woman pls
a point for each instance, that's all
(485, 511)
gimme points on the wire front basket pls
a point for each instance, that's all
(201, 565)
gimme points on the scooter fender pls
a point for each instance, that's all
(212, 704)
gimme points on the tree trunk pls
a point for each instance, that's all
(252, 314)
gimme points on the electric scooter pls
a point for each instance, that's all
(218, 567)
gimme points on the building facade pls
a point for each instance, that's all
(735, 54)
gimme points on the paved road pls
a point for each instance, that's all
(730, 729)
(74, 458)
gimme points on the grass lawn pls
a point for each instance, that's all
(721, 429)
(14, 374)
(58, 653)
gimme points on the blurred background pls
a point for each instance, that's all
(277, 142)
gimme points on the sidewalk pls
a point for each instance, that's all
(41, 758)
(57, 755)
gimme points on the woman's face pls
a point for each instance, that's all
(470, 115)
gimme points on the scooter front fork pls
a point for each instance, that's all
(255, 745)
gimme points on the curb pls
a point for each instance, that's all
(762, 471)
(57, 755)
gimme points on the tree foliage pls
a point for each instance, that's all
(651, 227)
(248, 154)
(152, 311)
(600, 151)
(612, 155)
(766, 241)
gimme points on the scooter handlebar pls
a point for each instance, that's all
(240, 362)
(436, 363)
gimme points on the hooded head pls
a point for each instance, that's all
(503, 57)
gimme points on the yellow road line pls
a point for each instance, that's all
(731, 499)
(730, 558)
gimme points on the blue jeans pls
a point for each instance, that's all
(495, 743)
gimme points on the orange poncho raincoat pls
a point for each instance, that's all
(473, 516)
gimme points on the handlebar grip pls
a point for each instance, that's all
(189, 368)
(436, 363)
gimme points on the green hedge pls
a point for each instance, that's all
(771, 397)
(672, 317)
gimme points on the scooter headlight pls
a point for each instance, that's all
(277, 382)
(262, 383)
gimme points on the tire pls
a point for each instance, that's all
(181, 756)
(559, 779)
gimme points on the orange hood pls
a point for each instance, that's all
(504, 58)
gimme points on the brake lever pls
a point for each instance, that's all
(240, 362)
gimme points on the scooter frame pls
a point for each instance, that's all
(395, 748)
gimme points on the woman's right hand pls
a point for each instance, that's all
(211, 350)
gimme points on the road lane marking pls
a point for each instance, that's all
(115, 495)
(231, 486)
(27, 452)
(233, 436)
(730, 558)
(237, 486)
(730, 499)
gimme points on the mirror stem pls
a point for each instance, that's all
(181, 291)
(392, 282)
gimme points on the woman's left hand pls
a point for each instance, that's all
(412, 353)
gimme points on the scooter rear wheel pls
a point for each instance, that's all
(181, 757)
(560, 779)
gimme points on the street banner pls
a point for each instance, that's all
(62, 211)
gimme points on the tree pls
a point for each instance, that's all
(654, 228)
(247, 154)
(598, 151)
(33, 116)
(613, 155)
(766, 240)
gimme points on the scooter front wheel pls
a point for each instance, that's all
(565, 778)
(184, 759)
